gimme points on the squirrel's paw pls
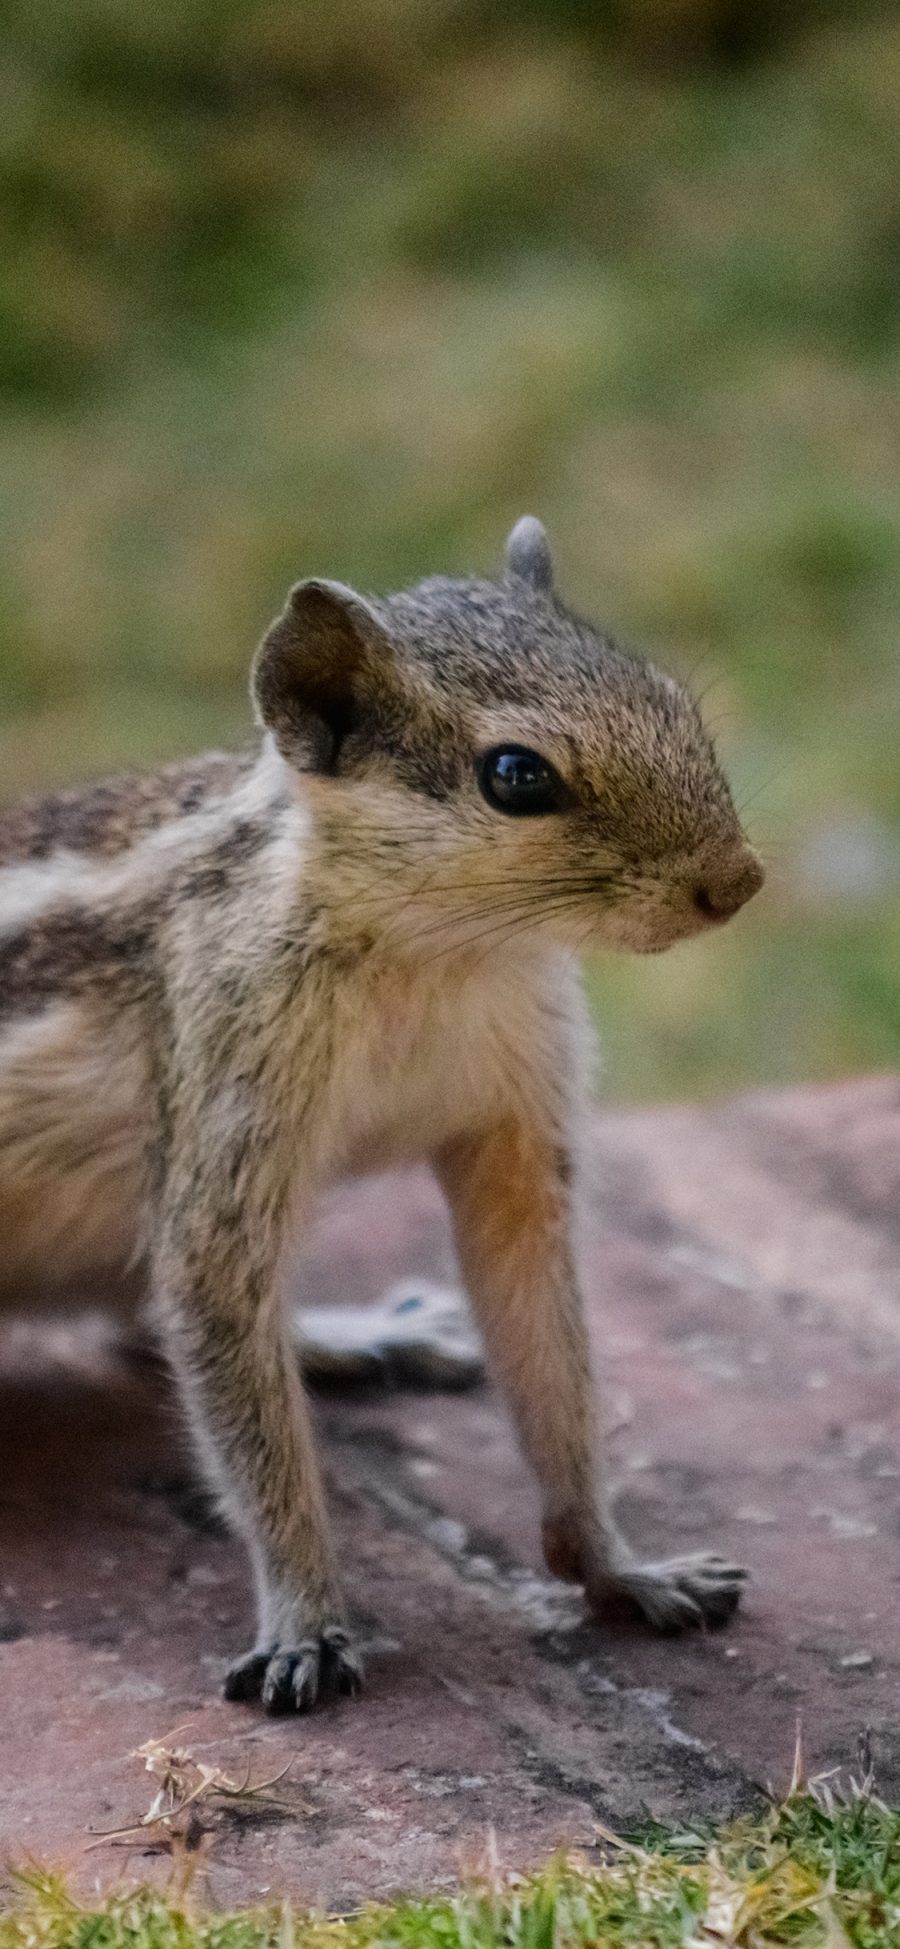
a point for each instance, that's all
(290, 1678)
(673, 1595)
(681, 1592)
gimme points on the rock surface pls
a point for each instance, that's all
(742, 1265)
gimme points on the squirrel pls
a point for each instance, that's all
(233, 982)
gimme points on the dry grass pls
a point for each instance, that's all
(185, 1787)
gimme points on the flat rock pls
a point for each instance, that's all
(742, 1267)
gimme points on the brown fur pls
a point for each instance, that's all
(107, 817)
(224, 987)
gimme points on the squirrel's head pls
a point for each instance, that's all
(480, 762)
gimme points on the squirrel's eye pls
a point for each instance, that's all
(517, 780)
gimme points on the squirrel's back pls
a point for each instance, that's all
(107, 815)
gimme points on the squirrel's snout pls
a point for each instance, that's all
(724, 890)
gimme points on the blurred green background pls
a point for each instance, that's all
(344, 286)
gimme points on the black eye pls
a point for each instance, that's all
(520, 781)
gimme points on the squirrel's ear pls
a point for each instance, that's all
(309, 670)
(528, 557)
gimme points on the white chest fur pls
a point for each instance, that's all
(423, 1058)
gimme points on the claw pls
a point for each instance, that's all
(290, 1678)
(245, 1678)
(686, 1592)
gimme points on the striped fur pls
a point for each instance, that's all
(226, 986)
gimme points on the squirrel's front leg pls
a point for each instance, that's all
(508, 1187)
(216, 1288)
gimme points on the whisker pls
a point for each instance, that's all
(517, 922)
(520, 893)
(531, 884)
(771, 779)
(510, 906)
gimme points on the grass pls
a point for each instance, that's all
(345, 288)
(821, 1871)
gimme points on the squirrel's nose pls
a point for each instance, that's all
(721, 893)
